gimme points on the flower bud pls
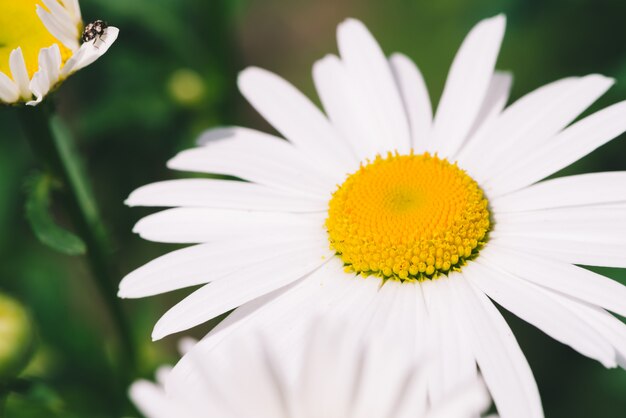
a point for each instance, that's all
(186, 87)
(17, 338)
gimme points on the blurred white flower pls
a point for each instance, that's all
(434, 216)
(40, 46)
(339, 376)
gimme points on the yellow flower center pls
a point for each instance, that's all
(407, 217)
(21, 27)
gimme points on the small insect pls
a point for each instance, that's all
(94, 30)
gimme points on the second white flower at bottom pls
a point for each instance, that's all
(340, 375)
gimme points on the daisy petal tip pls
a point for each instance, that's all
(351, 23)
(602, 79)
(138, 228)
(159, 332)
(397, 56)
(15, 52)
(132, 200)
(498, 20)
(137, 388)
(323, 61)
(112, 32)
(130, 287)
(35, 102)
(352, 27)
(175, 163)
(495, 25)
(610, 363)
(248, 73)
(126, 292)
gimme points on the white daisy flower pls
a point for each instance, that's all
(429, 218)
(40, 46)
(340, 376)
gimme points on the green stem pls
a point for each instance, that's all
(53, 144)
(3, 401)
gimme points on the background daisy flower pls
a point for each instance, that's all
(40, 46)
(340, 376)
(428, 217)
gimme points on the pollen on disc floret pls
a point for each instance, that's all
(407, 217)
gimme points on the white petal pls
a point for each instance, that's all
(185, 345)
(20, 73)
(59, 23)
(152, 401)
(242, 286)
(612, 331)
(48, 75)
(561, 277)
(256, 157)
(584, 215)
(416, 100)
(605, 224)
(405, 312)
(353, 300)
(547, 119)
(454, 363)
(329, 373)
(260, 377)
(575, 251)
(89, 52)
(501, 361)
(347, 108)
(382, 379)
(272, 314)
(246, 370)
(467, 85)
(466, 401)
(579, 190)
(422, 323)
(385, 310)
(52, 63)
(204, 263)
(294, 116)
(367, 66)
(73, 8)
(194, 225)
(415, 400)
(495, 100)
(162, 373)
(222, 194)
(570, 145)
(243, 319)
(540, 308)
(611, 328)
(9, 91)
(529, 114)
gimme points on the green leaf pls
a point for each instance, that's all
(42, 222)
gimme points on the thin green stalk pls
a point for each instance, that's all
(3, 401)
(54, 146)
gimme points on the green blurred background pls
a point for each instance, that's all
(172, 74)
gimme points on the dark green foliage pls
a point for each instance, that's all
(38, 211)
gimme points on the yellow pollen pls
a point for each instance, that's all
(407, 217)
(21, 27)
